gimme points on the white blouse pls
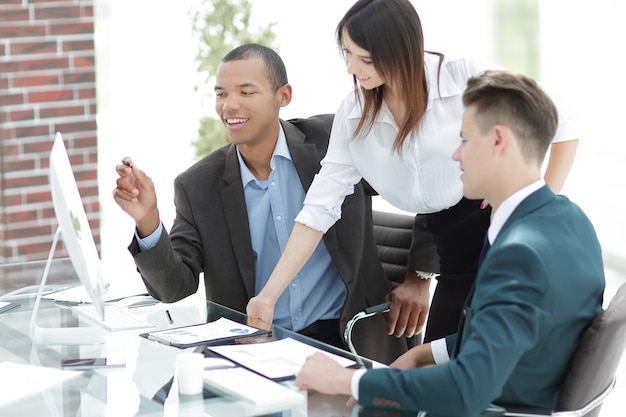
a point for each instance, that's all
(424, 178)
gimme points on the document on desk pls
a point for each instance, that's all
(278, 360)
(222, 330)
(22, 380)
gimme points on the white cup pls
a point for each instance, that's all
(189, 371)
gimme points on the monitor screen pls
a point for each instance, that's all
(72, 219)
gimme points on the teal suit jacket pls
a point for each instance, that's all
(538, 288)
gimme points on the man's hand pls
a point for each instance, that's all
(135, 194)
(260, 308)
(324, 375)
(417, 357)
(409, 306)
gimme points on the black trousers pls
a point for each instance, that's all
(326, 331)
(459, 233)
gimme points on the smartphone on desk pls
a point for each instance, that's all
(84, 364)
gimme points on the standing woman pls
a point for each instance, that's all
(397, 131)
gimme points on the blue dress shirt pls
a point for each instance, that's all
(317, 292)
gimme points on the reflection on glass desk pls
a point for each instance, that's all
(146, 386)
(19, 280)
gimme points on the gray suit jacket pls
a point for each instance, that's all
(211, 234)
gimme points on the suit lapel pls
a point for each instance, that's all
(531, 203)
(306, 160)
(304, 155)
(236, 215)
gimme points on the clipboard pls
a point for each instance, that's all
(220, 331)
(279, 360)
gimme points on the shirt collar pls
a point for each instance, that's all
(383, 116)
(501, 215)
(440, 82)
(281, 149)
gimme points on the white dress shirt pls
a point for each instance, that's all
(424, 178)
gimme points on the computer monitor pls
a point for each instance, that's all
(78, 240)
(72, 219)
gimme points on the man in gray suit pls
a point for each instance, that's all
(235, 209)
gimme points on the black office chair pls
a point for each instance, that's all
(396, 236)
(393, 233)
(591, 376)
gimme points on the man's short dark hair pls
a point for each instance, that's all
(274, 65)
(517, 101)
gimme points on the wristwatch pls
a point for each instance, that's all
(426, 275)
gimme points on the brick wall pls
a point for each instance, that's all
(47, 84)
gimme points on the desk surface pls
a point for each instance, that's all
(144, 386)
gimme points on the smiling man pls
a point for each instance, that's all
(235, 209)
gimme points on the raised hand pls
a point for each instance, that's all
(136, 195)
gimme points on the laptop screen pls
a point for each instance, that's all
(75, 231)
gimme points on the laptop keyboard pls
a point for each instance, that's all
(115, 318)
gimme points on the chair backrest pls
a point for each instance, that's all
(393, 233)
(397, 235)
(595, 362)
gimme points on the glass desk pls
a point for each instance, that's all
(144, 387)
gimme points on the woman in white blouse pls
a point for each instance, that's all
(398, 131)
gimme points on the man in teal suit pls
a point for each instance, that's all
(538, 287)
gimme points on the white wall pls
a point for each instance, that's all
(583, 58)
(147, 109)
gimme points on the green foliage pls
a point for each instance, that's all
(211, 135)
(219, 26)
(518, 44)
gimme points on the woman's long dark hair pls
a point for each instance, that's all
(391, 31)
